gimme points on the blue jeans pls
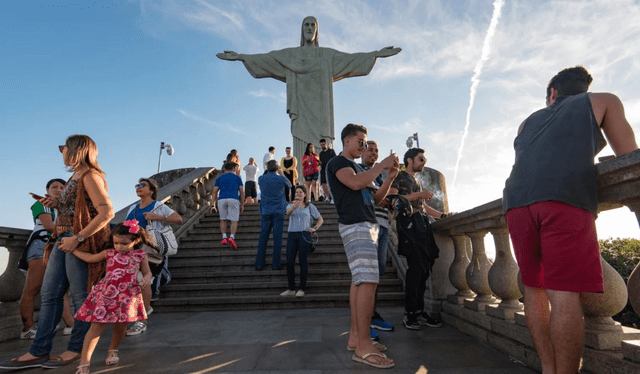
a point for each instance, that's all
(383, 235)
(298, 243)
(64, 272)
(273, 221)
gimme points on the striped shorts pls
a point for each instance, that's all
(360, 242)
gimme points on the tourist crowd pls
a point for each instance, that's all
(112, 274)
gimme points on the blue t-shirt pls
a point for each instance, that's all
(139, 214)
(228, 183)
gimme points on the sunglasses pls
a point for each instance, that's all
(362, 143)
(61, 148)
(141, 185)
(422, 159)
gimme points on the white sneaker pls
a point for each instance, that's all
(31, 333)
(300, 293)
(149, 311)
(67, 330)
(137, 329)
(288, 293)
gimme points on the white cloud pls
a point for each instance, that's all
(198, 118)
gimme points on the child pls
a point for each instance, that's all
(116, 298)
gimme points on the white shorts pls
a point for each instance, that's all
(229, 209)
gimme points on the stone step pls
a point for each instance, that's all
(253, 233)
(210, 228)
(267, 288)
(310, 300)
(199, 262)
(192, 252)
(179, 276)
(246, 242)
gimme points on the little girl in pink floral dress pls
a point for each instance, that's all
(116, 298)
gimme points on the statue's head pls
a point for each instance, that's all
(309, 31)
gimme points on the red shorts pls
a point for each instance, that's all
(556, 247)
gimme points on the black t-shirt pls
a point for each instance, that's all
(326, 156)
(353, 206)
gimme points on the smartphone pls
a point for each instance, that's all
(37, 197)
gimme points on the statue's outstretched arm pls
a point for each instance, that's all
(385, 52)
(230, 56)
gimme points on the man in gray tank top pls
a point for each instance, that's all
(550, 204)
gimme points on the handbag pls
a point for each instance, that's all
(164, 236)
(154, 255)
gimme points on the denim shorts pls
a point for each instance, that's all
(36, 250)
(312, 177)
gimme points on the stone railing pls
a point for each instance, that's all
(186, 191)
(482, 298)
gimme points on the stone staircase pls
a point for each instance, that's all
(209, 276)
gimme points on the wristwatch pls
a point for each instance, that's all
(80, 238)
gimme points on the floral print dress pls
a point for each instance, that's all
(117, 297)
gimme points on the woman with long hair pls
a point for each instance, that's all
(84, 212)
(310, 170)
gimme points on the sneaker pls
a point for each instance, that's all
(137, 329)
(380, 324)
(232, 244)
(155, 296)
(300, 293)
(29, 334)
(224, 241)
(410, 323)
(150, 311)
(67, 330)
(288, 293)
(425, 320)
(374, 335)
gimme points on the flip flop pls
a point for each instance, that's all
(379, 347)
(363, 360)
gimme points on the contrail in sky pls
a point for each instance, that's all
(475, 80)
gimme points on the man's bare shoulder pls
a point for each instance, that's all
(605, 103)
(606, 98)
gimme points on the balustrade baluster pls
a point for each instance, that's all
(457, 271)
(478, 274)
(503, 278)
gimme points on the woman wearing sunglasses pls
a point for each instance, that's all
(150, 211)
(84, 212)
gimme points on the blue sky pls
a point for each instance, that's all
(134, 73)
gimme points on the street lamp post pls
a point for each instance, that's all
(169, 149)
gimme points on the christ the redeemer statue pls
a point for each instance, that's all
(309, 72)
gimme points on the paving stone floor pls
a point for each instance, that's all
(311, 341)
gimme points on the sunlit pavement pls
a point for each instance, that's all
(309, 341)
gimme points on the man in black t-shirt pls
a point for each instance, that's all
(355, 196)
(325, 156)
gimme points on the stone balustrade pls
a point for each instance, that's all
(186, 191)
(486, 303)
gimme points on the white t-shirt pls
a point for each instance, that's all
(267, 157)
(250, 172)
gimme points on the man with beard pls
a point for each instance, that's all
(415, 239)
